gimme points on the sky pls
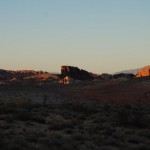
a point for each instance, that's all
(100, 36)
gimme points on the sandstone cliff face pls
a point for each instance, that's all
(144, 72)
(75, 73)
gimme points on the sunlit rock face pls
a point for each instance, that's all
(144, 72)
(75, 73)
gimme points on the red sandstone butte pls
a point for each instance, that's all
(75, 73)
(144, 72)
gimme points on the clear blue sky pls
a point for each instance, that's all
(96, 35)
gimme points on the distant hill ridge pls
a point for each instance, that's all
(70, 71)
(130, 71)
(18, 74)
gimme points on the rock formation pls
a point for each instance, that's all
(144, 72)
(66, 80)
(18, 75)
(75, 73)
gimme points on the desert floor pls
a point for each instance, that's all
(75, 117)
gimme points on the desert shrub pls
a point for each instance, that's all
(139, 146)
(135, 139)
(30, 105)
(143, 147)
(4, 125)
(17, 143)
(68, 131)
(2, 140)
(32, 137)
(108, 147)
(140, 120)
(100, 118)
(23, 116)
(83, 108)
(109, 130)
(55, 141)
(39, 119)
(106, 107)
(112, 141)
(94, 130)
(9, 118)
(78, 136)
(122, 118)
(8, 109)
(144, 133)
(59, 123)
(134, 119)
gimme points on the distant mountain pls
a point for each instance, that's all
(130, 71)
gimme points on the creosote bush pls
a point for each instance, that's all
(133, 119)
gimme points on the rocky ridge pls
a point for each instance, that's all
(18, 75)
(69, 74)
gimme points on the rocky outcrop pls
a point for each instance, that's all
(144, 72)
(66, 80)
(75, 73)
(18, 75)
